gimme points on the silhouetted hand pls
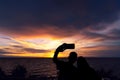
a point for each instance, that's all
(61, 48)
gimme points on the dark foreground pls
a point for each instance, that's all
(19, 69)
(33, 77)
(20, 73)
(106, 75)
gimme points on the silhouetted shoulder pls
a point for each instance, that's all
(85, 72)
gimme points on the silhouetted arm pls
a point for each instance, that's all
(55, 57)
(59, 49)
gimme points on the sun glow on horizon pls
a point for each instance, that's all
(36, 55)
(45, 47)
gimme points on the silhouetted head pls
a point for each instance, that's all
(82, 63)
(72, 57)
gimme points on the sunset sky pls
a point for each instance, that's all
(35, 28)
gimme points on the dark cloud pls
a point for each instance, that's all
(4, 37)
(17, 46)
(31, 50)
(3, 51)
(111, 35)
(105, 53)
(52, 31)
(102, 51)
(115, 33)
(21, 16)
(93, 35)
(98, 27)
(21, 49)
(103, 47)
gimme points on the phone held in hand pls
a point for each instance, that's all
(67, 46)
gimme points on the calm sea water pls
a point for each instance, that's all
(46, 67)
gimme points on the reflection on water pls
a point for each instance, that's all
(34, 66)
(38, 66)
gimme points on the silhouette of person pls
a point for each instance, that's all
(85, 72)
(67, 71)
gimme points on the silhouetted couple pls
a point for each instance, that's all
(67, 70)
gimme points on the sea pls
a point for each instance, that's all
(46, 67)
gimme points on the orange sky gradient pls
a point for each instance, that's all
(36, 28)
(14, 48)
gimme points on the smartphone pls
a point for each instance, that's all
(69, 46)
